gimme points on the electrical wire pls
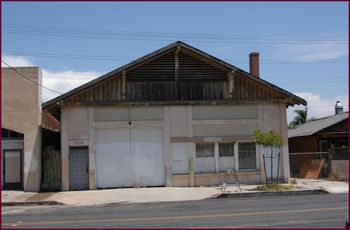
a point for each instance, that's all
(25, 77)
(169, 37)
(125, 58)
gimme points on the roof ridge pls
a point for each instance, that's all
(321, 118)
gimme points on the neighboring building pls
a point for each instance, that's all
(316, 138)
(21, 128)
(175, 117)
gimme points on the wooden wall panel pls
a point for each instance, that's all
(156, 80)
(192, 69)
(160, 69)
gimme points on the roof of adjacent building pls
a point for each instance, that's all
(294, 99)
(312, 127)
(50, 122)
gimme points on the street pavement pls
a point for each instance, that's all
(298, 211)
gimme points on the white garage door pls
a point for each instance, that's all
(129, 157)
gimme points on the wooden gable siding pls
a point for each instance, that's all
(246, 89)
(161, 69)
(156, 80)
(108, 91)
(192, 69)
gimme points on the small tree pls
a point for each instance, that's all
(271, 140)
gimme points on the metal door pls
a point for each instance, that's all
(113, 158)
(78, 168)
(129, 157)
(12, 169)
(147, 154)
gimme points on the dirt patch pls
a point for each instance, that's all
(40, 197)
(29, 203)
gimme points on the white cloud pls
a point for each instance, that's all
(316, 51)
(61, 81)
(17, 61)
(318, 107)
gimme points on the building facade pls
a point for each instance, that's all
(175, 117)
(21, 128)
(323, 138)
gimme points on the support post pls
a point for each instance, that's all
(124, 85)
(231, 84)
(177, 70)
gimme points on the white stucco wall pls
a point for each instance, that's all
(273, 117)
(182, 127)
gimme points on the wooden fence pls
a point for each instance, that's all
(51, 165)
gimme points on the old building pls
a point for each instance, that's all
(21, 128)
(175, 117)
(318, 139)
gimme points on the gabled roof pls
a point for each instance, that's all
(295, 99)
(312, 127)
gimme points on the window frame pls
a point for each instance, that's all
(233, 143)
(205, 143)
(235, 156)
(256, 157)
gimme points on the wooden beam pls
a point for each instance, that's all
(231, 83)
(124, 85)
(177, 62)
(178, 102)
(177, 65)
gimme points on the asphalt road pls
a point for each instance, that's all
(297, 211)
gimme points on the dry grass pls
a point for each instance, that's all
(274, 187)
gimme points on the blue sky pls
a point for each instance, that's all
(303, 46)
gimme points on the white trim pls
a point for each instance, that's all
(167, 148)
(216, 156)
(125, 124)
(92, 151)
(226, 122)
(236, 156)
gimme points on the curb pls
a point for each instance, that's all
(280, 193)
(28, 203)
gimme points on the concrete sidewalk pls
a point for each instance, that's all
(156, 194)
(333, 187)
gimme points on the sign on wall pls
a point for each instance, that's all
(77, 143)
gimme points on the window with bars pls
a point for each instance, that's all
(204, 150)
(226, 149)
(246, 155)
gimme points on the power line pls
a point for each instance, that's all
(156, 34)
(22, 75)
(169, 37)
(125, 58)
(139, 38)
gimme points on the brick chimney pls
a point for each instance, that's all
(254, 64)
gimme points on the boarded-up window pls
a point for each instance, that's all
(246, 155)
(226, 150)
(204, 150)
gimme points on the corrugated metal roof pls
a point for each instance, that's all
(312, 127)
(50, 122)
